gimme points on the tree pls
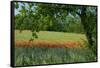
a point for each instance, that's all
(27, 17)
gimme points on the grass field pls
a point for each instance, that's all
(50, 35)
(37, 55)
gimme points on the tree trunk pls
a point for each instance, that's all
(86, 27)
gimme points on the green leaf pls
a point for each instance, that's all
(16, 5)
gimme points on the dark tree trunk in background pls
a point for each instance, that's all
(86, 26)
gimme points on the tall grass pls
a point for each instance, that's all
(36, 55)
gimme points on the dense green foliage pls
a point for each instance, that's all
(44, 18)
